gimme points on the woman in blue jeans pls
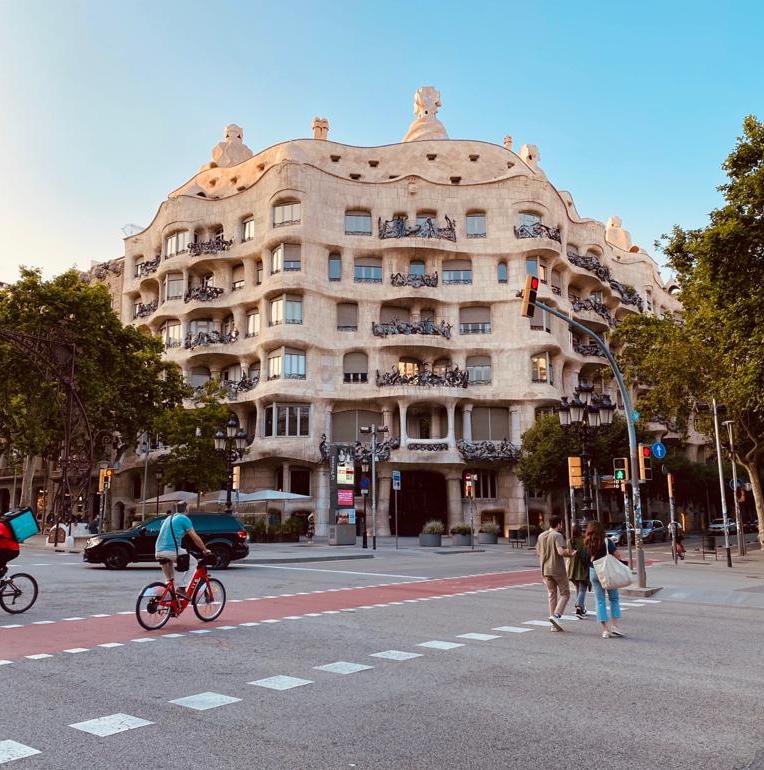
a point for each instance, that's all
(594, 548)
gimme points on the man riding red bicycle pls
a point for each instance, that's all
(170, 553)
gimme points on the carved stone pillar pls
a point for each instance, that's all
(467, 421)
(454, 488)
(286, 481)
(387, 419)
(451, 431)
(328, 424)
(322, 500)
(402, 412)
(383, 504)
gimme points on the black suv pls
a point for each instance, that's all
(224, 535)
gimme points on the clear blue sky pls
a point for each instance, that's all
(106, 106)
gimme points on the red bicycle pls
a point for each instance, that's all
(158, 602)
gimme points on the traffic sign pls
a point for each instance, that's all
(396, 481)
(364, 483)
(659, 450)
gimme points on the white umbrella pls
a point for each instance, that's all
(171, 497)
(274, 494)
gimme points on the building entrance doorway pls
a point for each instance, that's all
(422, 497)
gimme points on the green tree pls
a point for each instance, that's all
(121, 378)
(192, 461)
(716, 351)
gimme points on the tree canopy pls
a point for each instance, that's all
(717, 349)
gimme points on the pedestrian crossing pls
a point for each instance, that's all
(111, 724)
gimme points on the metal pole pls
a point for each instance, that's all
(738, 516)
(627, 518)
(145, 473)
(229, 480)
(364, 534)
(597, 495)
(571, 513)
(396, 519)
(631, 427)
(672, 511)
(15, 473)
(374, 487)
(721, 487)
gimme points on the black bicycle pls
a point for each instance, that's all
(17, 592)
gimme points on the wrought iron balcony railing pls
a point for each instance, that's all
(415, 280)
(213, 246)
(148, 267)
(538, 230)
(488, 451)
(202, 293)
(629, 295)
(144, 309)
(213, 337)
(426, 326)
(397, 228)
(451, 378)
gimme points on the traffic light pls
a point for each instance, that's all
(645, 463)
(529, 296)
(575, 473)
(620, 469)
(469, 485)
(107, 474)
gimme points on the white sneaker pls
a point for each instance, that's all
(616, 631)
(606, 634)
(555, 623)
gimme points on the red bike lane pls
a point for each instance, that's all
(54, 637)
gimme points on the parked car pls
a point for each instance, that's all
(654, 530)
(616, 531)
(751, 526)
(224, 535)
(716, 527)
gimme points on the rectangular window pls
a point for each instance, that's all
(484, 484)
(172, 335)
(287, 420)
(596, 296)
(294, 365)
(259, 273)
(457, 276)
(416, 268)
(286, 214)
(177, 243)
(281, 420)
(335, 267)
(304, 420)
(541, 368)
(347, 317)
(248, 229)
(277, 312)
(479, 374)
(236, 285)
(173, 286)
(528, 219)
(532, 266)
(201, 325)
(293, 311)
(253, 324)
(541, 321)
(274, 367)
(277, 259)
(543, 274)
(292, 258)
(422, 217)
(357, 223)
(476, 226)
(368, 274)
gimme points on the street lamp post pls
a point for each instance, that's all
(738, 516)
(373, 430)
(233, 442)
(159, 476)
(721, 485)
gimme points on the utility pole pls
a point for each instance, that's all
(738, 515)
(721, 485)
(672, 511)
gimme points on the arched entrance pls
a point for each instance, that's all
(422, 497)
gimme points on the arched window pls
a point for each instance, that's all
(232, 373)
(171, 334)
(502, 272)
(253, 323)
(457, 271)
(287, 257)
(479, 370)
(355, 367)
(528, 219)
(357, 223)
(200, 375)
(441, 366)
(423, 216)
(237, 278)
(541, 368)
(259, 272)
(286, 213)
(177, 243)
(390, 313)
(173, 286)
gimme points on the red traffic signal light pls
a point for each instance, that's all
(645, 463)
(529, 296)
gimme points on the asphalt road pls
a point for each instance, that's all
(681, 691)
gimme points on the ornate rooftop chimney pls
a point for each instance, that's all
(320, 128)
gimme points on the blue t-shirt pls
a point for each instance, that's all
(180, 525)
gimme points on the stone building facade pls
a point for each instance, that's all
(331, 286)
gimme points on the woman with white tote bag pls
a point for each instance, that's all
(595, 548)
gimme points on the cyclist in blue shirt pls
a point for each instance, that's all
(169, 550)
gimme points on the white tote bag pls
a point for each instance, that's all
(610, 572)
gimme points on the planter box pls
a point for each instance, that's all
(487, 538)
(461, 539)
(430, 541)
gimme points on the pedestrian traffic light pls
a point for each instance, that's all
(621, 469)
(575, 473)
(529, 296)
(107, 474)
(645, 463)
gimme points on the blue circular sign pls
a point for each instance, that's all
(659, 450)
(364, 483)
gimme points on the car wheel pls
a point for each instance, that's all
(222, 556)
(116, 558)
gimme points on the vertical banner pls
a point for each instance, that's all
(342, 483)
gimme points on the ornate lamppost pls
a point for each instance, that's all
(586, 412)
(373, 430)
(365, 494)
(232, 441)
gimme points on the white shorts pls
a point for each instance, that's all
(172, 556)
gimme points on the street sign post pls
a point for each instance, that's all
(396, 489)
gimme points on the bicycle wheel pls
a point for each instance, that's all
(209, 599)
(18, 593)
(154, 606)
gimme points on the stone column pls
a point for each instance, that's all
(387, 419)
(285, 480)
(467, 421)
(454, 487)
(402, 412)
(328, 424)
(322, 501)
(384, 511)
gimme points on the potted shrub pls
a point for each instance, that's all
(488, 534)
(461, 534)
(432, 534)
(531, 536)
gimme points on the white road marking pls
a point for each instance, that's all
(38, 656)
(144, 639)
(126, 612)
(5, 662)
(270, 620)
(110, 725)
(43, 622)
(75, 650)
(312, 614)
(201, 631)
(292, 617)
(338, 572)
(79, 618)
(10, 750)
(330, 612)
(12, 625)
(650, 601)
(205, 700)
(251, 623)
(281, 682)
(224, 628)
(438, 645)
(101, 615)
(631, 604)
(478, 637)
(536, 623)
(343, 667)
(109, 645)
(396, 655)
(172, 636)
(512, 629)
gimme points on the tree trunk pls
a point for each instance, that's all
(27, 482)
(758, 496)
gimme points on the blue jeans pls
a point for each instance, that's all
(599, 593)
(581, 588)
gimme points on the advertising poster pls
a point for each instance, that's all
(342, 483)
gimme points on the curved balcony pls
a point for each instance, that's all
(234, 389)
(426, 327)
(397, 227)
(415, 280)
(452, 377)
(628, 294)
(205, 339)
(145, 309)
(587, 350)
(488, 451)
(213, 246)
(148, 267)
(594, 313)
(202, 294)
